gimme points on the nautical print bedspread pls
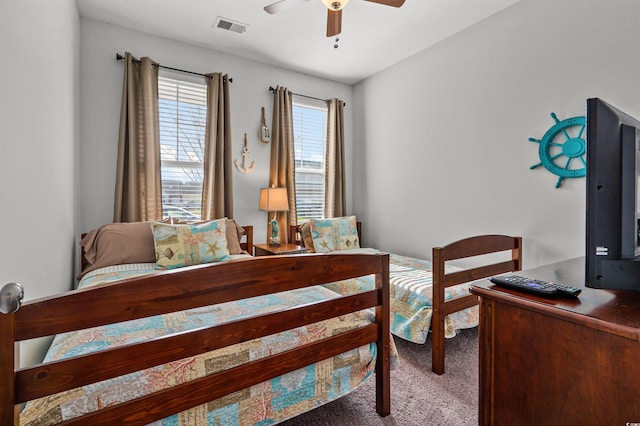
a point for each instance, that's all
(267, 403)
(411, 297)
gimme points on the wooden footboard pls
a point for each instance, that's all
(467, 247)
(186, 288)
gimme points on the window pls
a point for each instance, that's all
(309, 139)
(182, 106)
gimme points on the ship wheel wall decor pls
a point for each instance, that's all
(563, 149)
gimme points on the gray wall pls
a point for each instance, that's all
(100, 96)
(441, 139)
(39, 75)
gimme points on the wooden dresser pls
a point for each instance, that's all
(559, 361)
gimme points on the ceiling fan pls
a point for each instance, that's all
(334, 10)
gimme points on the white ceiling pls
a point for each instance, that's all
(373, 36)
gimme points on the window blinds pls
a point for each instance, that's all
(309, 133)
(182, 109)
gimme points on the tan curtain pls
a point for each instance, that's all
(335, 198)
(282, 167)
(138, 194)
(217, 185)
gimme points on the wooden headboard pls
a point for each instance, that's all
(247, 241)
(296, 238)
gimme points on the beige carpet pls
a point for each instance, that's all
(418, 396)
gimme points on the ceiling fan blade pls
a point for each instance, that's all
(334, 22)
(281, 5)
(394, 3)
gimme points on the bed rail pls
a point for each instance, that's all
(198, 286)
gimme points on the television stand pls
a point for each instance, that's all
(559, 361)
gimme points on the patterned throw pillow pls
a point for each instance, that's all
(183, 245)
(340, 233)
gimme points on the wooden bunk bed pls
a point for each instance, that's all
(187, 289)
(448, 284)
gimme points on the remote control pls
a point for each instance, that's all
(539, 287)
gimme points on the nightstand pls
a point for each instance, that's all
(267, 250)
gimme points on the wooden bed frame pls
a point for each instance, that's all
(465, 248)
(187, 288)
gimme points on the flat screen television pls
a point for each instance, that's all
(613, 205)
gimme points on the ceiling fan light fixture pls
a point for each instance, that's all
(335, 4)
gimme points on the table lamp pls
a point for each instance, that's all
(274, 200)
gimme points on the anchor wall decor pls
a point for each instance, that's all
(245, 167)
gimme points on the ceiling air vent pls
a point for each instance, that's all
(228, 24)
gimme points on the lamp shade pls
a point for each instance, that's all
(274, 199)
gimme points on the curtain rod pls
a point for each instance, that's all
(119, 57)
(272, 90)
